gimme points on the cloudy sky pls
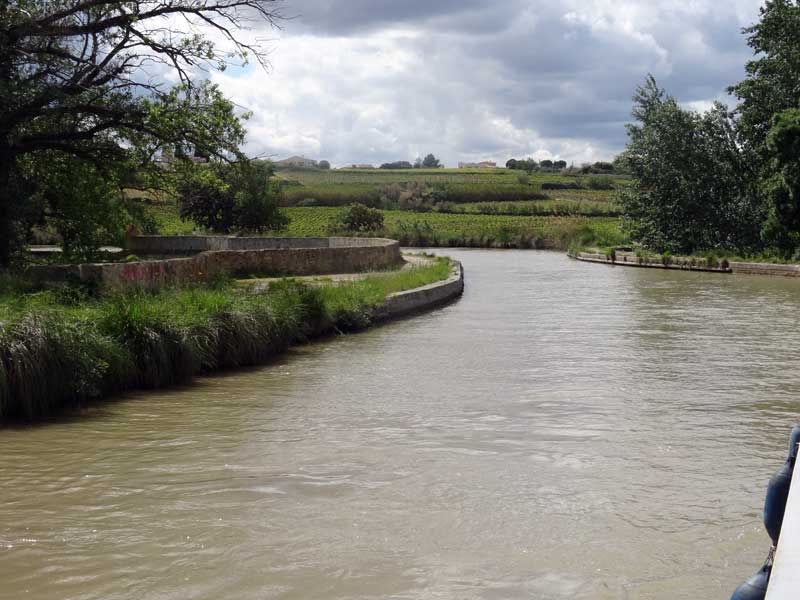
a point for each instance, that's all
(369, 81)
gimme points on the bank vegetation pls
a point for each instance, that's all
(64, 346)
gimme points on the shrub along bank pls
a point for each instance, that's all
(60, 348)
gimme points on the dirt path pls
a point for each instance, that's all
(411, 261)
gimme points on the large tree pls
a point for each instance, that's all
(692, 182)
(782, 227)
(431, 162)
(772, 84)
(84, 79)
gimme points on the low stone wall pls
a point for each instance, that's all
(289, 257)
(423, 298)
(631, 260)
(184, 245)
(748, 268)
(737, 268)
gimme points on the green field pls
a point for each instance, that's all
(436, 229)
(452, 207)
(556, 208)
(382, 188)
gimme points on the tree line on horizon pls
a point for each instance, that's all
(528, 165)
(429, 162)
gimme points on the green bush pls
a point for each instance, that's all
(84, 206)
(223, 197)
(256, 199)
(550, 185)
(358, 217)
(600, 182)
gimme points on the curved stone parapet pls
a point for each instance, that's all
(423, 298)
(187, 245)
(212, 256)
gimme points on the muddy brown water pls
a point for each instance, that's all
(565, 430)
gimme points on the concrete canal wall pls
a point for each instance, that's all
(423, 298)
(212, 256)
(629, 259)
(184, 245)
(748, 268)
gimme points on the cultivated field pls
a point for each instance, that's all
(431, 187)
(442, 207)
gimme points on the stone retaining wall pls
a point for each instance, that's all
(737, 268)
(287, 256)
(185, 245)
(423, 298)
(748, 268)
(631, 260)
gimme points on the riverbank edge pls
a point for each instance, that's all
(596, 257)
(395, 306)
(733, 268)
(428, 297)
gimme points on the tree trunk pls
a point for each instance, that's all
(6, 217)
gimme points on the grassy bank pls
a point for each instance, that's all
(61, 347)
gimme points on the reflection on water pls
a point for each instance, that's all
(564, 431)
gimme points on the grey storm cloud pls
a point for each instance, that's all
(349, 17)
(377, 80)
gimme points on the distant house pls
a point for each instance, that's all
(168, 157)
(486, 164)
(298, 161)
(362, 167)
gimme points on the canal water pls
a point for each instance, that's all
(565, 430)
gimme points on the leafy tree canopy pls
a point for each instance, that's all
(83, 79)
(692, 183)
(224, 197)
(772, 84)
(782, 228)
(431, 162)
(359, 218)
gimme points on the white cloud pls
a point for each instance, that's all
(470, 81)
